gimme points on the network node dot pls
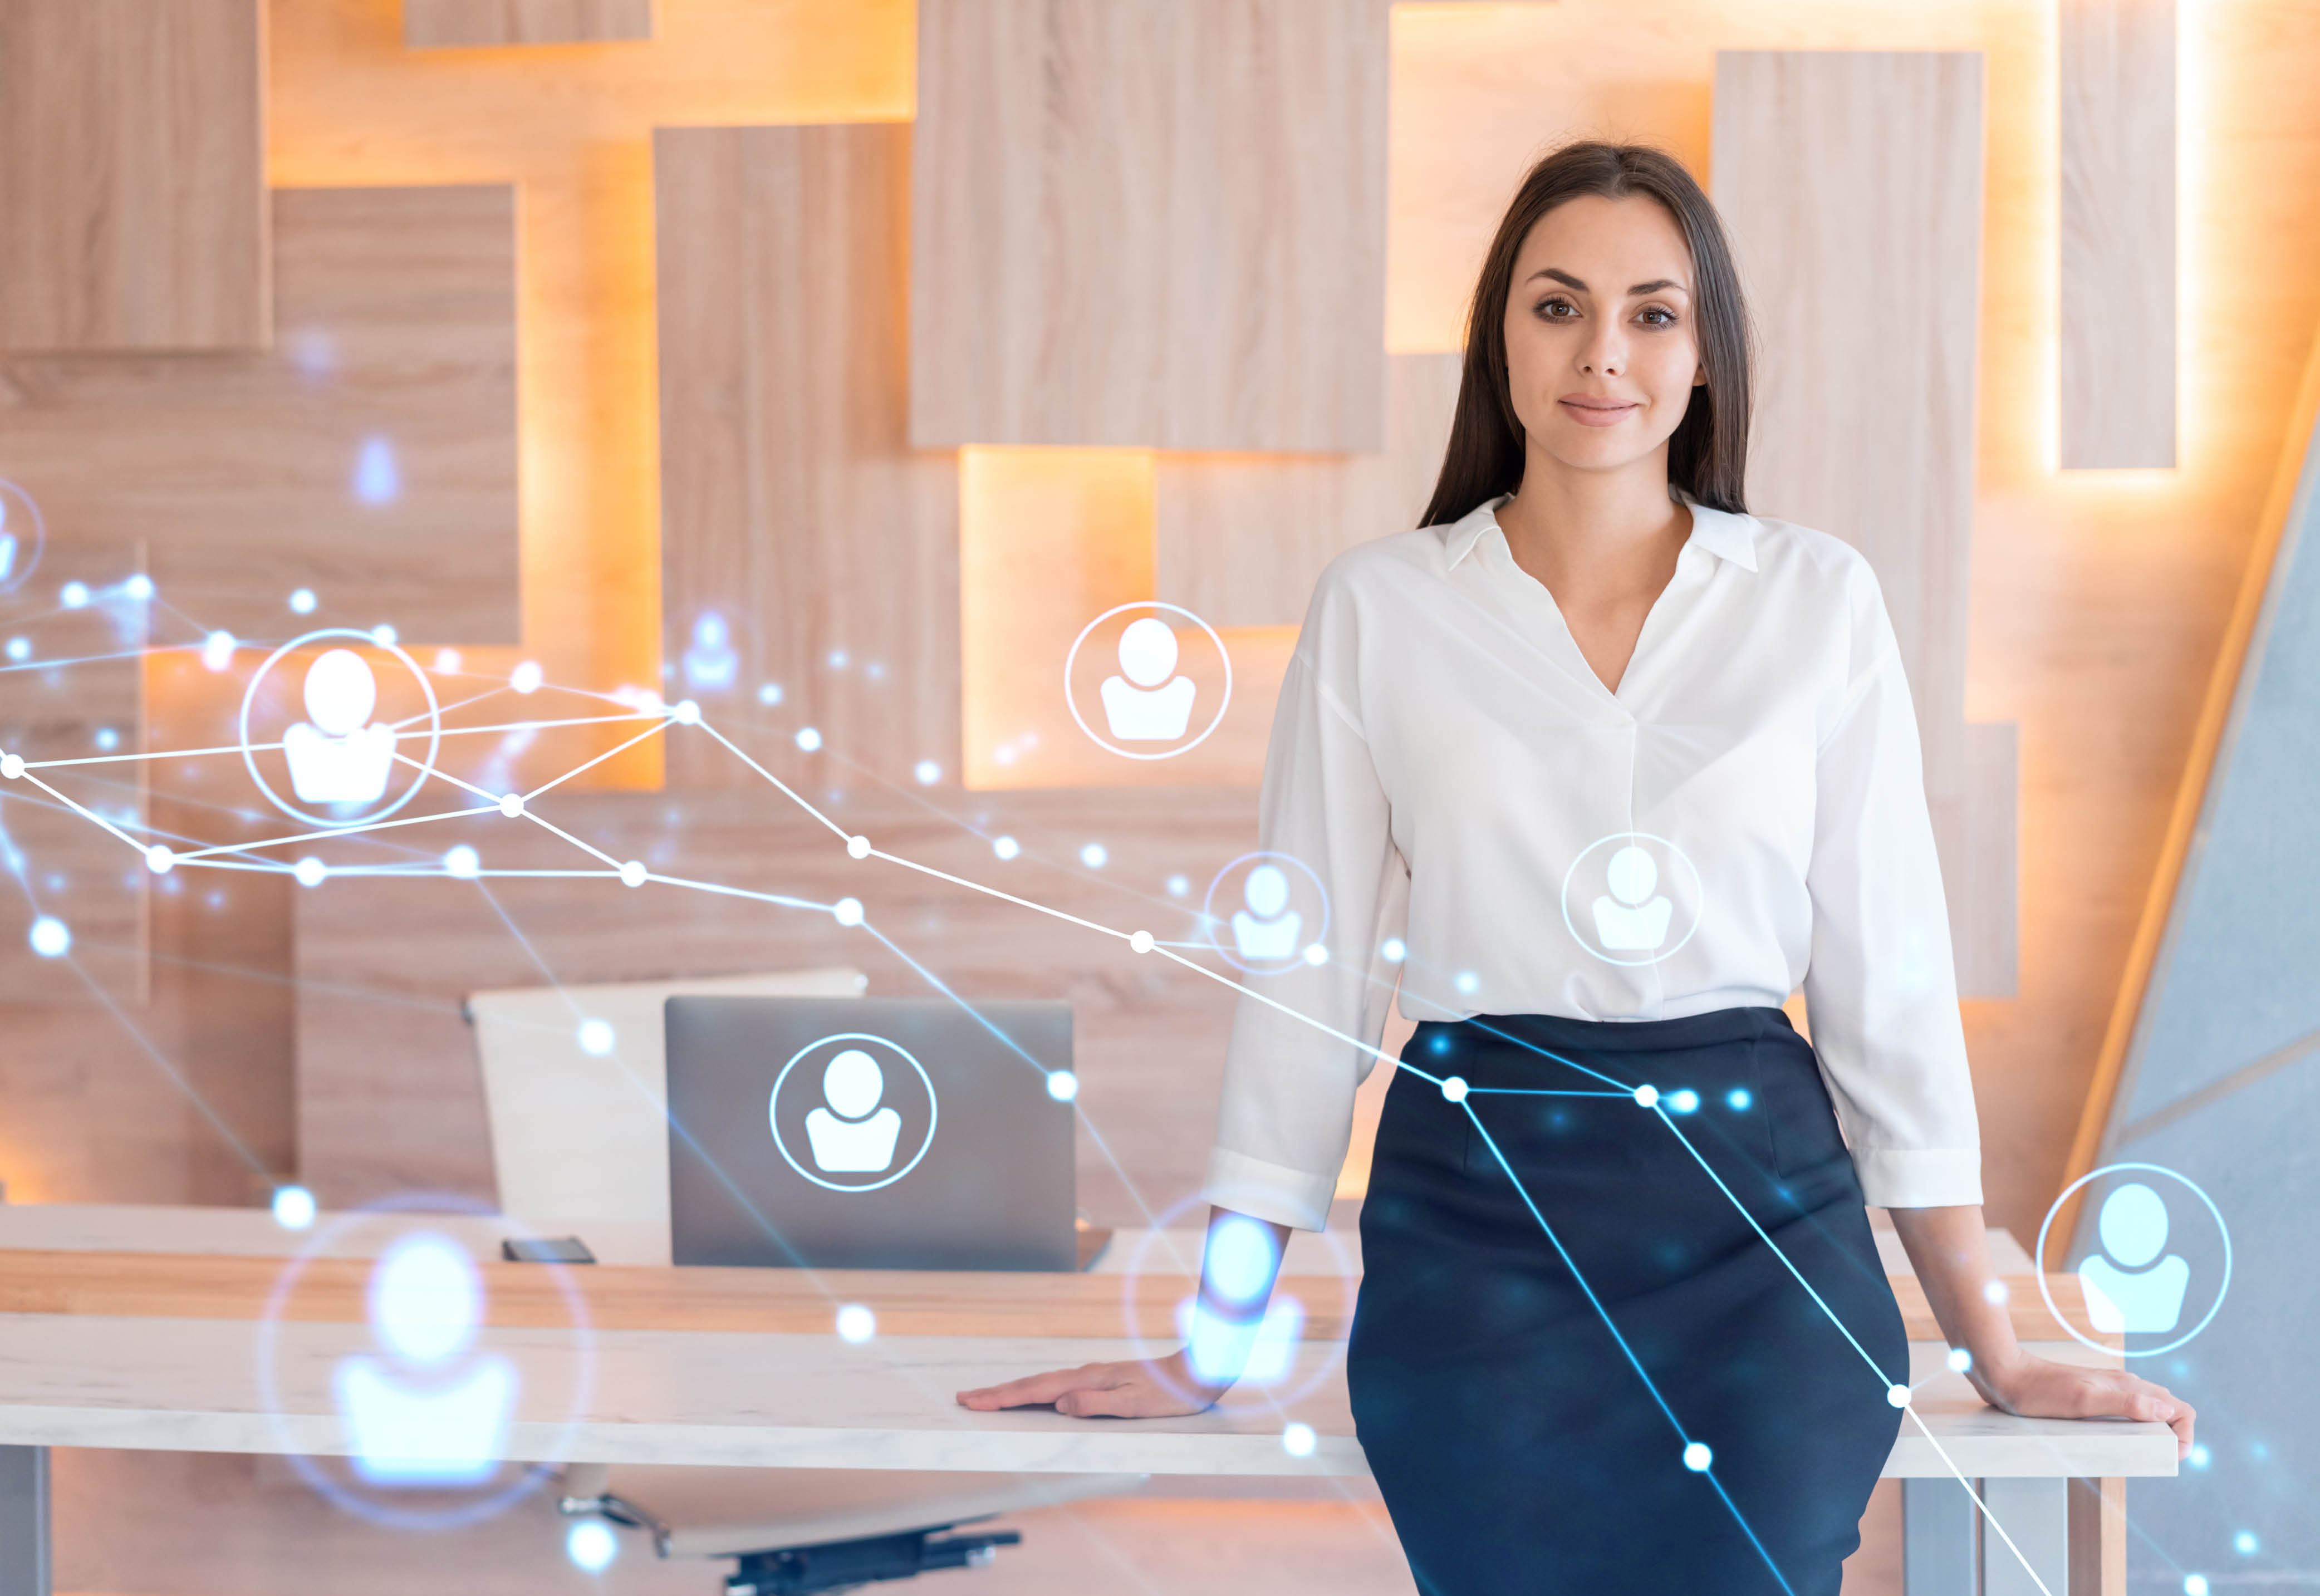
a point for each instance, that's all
(592, 1546)
(847, 911)
(856, 1324)
(1454, 1087)
(1006, 848)
(633, 873)
(769, 693)
(293, 1207)
(596, 1038)
(75, 594)
(1683, 1100)
(1959, 1360)
(50, 938)
(1395, 950)
(1141, 941)
(1739, 1098)
(2195, 1584)
(1315, 954)
(1063, 1085)
(2245, 1542)
(1648, 1096)
(138, 587)
(462, 861)
(807, 739)
(1094, 855)
(687, 712)
(302, 602)
(1898, 1395)
(927, 772)
(1298, 1439)
(159, 860)
(309, 871)
(527, 677)
(511, 805)
(857, 847)
(1697, 1457)
(1994, 1291)
(12, 766)
(384, 636)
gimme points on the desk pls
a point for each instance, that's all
(145, 1349)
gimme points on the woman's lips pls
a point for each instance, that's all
(1598, 412)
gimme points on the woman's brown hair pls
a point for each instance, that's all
(1707, 456)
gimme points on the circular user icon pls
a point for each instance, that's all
(338, 753)
(2151, 1223)
(1267, 912)
(23, 536)
(1143, 698)
(1631, 898)
(852, 1112)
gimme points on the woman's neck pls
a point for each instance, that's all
(1595, 534)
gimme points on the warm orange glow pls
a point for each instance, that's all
(572, 126)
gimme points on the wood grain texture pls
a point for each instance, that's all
(370, 456)
(389, 1095)
(798, 525)
(77, 694)
(1241, 538)
(1150, 222)
(2117, 93)
(433, 24)
(133, 174)
(1851, 182)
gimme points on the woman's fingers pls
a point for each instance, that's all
(1092, 1391)
(1032, 1390)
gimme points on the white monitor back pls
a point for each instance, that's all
(580, 1139)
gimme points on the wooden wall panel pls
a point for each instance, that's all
(804, 543)
(370, 456)
(1851, 181)
(78, 693)
(389, 1093)
(133, 174)
(1242, 538)
(1150, 222)
(427, 23)
(2117, 92)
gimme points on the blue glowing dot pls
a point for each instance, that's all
(807, 739)
(75, 594)
(1648, 1096)
(847, 912)
(1298, 1439)
(1006, 848)
(1394, 950)
(20, 649)
(1697, 1457)
(769, 693)
(310, 871)
(856, 1324)
(928, 772)
(51, 936)
(1240, 1260)
(526, 677)
(2199, 1457)
(1959, 1360)
(1440, 1044)
(107, 740)
(378, 480)
(592, 1546)
(1898, 1395)
(293, 1207)
(463, 861)
(384, 635)
(138, 587)
(1683, 1100)
(217, 650)
(837, 659)
(1178, 886)
(1316, 954)
(2259, 1451)
(1739, 1098)
(1063, 1085)
(302, 601)
(2195, 1584)
(1453, 1088)
(1093, 855)
(1467, 982)
(2244, 1543)
(596, 1038)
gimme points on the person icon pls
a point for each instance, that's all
(2132, 1294)
(1631, 919)
(416, 1415)
(335, 757)
(845, 1137)
(712, 664)
(1266, 930)
(1137, 704)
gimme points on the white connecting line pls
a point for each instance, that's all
(517, 805)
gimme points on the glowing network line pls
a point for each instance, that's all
(513, 805)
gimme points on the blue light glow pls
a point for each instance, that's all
(2245, 1542)
(2195, 1584)
(73, 594)
(302, 601)
(1467, 982)
(1094, 855)
(50, 938)
(1683, 1100)
(1063, 1085)
(217, 651)
(378, 480)
(1739, 1098)
(1006, 848)
(1395, 950)
(807, 739)
(769, 693)
(293, 1207)
(1178, 885)
(463, 861)
(2198, 1456)
(20, 649)
(1298, 1439)
(1697, 1457)
(138, 587)
(856, 1324)
(592, 1546)
(107, 740)
(927, 772)
(596, 1038)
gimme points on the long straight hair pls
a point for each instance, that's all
(1708, 455)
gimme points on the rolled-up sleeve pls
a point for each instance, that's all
(1303, 1040)
(1881, 988)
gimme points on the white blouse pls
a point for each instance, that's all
(1458, 803)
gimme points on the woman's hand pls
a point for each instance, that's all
(1163, 1388)
(2039, 1388)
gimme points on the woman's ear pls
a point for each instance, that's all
(1700, 377)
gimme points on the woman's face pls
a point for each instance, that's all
(1600, 351)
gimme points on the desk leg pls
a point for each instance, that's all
(1937, 1524)
(2036, 1515)
(2098, 1537)
(23, 1522)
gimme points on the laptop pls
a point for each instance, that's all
(869, 1133)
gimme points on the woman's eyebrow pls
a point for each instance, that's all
(1568, 281)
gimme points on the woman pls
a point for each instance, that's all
(1620, 766)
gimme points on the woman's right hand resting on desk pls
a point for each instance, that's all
(1237, 1267)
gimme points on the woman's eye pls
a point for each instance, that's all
(1657, 315)
(1557, 309)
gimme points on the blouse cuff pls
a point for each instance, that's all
(1268, 1191)
(1919, 1177)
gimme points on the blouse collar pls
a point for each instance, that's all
(1719, 531)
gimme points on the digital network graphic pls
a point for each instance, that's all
(350, 750)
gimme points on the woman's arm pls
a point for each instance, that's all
(1238, 1264)
(1950, 1251)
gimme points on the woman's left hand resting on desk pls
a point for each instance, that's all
(1949, 1250)
(1165, 1387)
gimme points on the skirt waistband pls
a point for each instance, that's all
(1556, 1031)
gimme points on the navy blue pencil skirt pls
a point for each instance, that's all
(1519, 1448)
